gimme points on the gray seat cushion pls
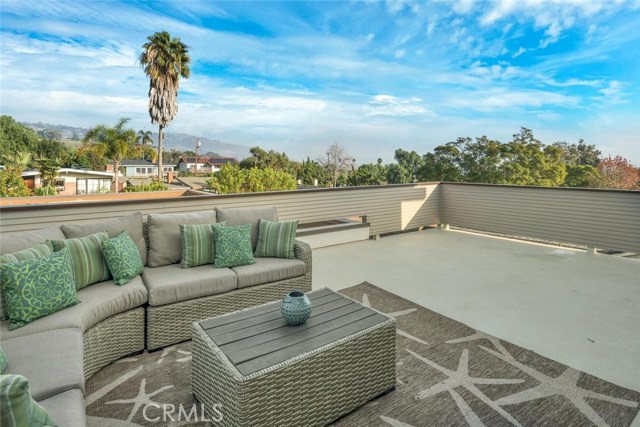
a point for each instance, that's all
(165, 242)
(170, 283)
(66, 409)
(267, 270)
(51, 361)
(132, 224)
(97, 302)
(239, 216)
(14, 242)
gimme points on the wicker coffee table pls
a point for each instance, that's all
(258, 371)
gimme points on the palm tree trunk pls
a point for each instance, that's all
(116, 170)
(160, 137)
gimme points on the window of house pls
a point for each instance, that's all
(93, 185)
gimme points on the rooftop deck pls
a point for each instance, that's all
(577, 308)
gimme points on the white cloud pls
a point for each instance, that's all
(400, 53)
(500, 99)
(387, 105)
(519, 52)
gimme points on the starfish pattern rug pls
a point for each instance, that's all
(448, 374)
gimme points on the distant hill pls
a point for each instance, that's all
(71, 135)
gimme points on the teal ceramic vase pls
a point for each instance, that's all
(295, 308)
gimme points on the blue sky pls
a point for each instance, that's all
(372, 76)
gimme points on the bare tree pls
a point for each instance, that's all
(337, 161)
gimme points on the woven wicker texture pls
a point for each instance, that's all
(112, 339)
(169, 324)
(310, 390)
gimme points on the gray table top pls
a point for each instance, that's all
(258, 338)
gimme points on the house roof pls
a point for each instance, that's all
(66, 171)
(208, 160)
(141, 162)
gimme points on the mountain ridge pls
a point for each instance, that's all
(172, 140)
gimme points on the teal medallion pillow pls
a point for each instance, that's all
(233, 245)
(276, 239)
(3, 360)
(37, 288)
(17, 407)
(38, 251)
(123, 258)
(197, 244)
(87, 262)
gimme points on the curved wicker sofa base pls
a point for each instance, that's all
(170, 324)
(112, 339)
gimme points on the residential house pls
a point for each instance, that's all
(73, 181)
(205, 164)
(140, 168)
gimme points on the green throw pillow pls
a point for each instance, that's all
(197, 244)
(233, 245)
(17, 407)
(123, 258)
(276, 239)
(3, 360)
(37, 288)
(87, 262)
(38, 251)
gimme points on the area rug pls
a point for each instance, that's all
(448, 374)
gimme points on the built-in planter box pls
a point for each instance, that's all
(320, 234)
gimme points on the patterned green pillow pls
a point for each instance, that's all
(37, 288)
(123, 258)
(87, 262)
(276, 239)
(233, 245)
(38, 251)
(197, 244)
(17, 407)
(3, 360)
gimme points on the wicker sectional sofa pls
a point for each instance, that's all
(59, 352)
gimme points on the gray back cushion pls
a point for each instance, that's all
(132, 224)
(14, 242)
(165, 242)
(239, 216)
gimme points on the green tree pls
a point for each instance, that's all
(17, 161)
(311, 170)
(15, 137)
(368, 174)
(581, 176)
(410, 163)
(480, 161)
(12, 184)
(48, 169)
(114, 142)
(232, 179)
(527, 161)
(165, 60)
(579, 154)
(443, 163)
(53, 149)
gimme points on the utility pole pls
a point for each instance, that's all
(197, 146)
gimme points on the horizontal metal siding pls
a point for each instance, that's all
(388, 209)
(604, 219)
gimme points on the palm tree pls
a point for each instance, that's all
(116, 143)
(144, 139)
(164, 60)
(17, 161)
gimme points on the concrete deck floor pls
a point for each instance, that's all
(579, 309)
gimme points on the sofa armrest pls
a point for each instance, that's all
(303, 252)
